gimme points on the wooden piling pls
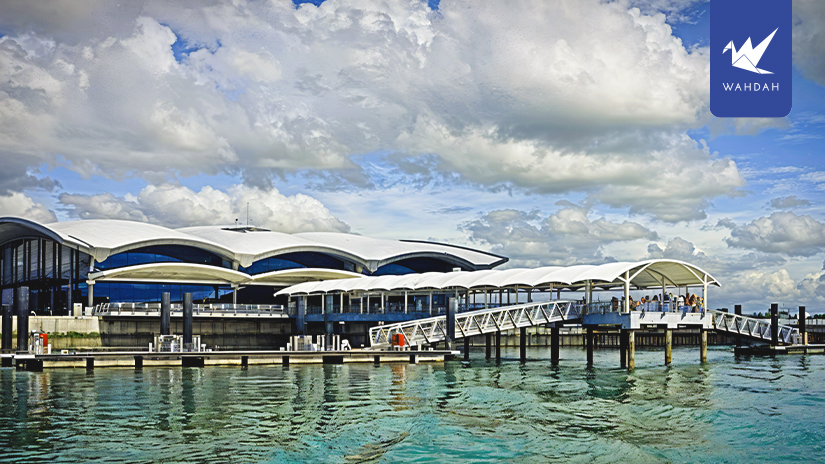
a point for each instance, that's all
(498, 345)
(554, 345)
(589, 342)
(668, 346)
(631, 349)
(703, 346)
(487, 345)
(523, 344)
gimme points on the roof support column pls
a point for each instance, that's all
(704, 295)
(516, 294)
(662, 299)
(341, 304)
(589, 291)
(627, 292)
(383, 308)
(91, 286)
(361, 304)
(234, 294)
(486, 305)
(405, 302)
(430, 301)
(368, 303)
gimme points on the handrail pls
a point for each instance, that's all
(145, 309)
(434, 329)
(759, 329)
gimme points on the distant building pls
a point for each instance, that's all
(97, 261)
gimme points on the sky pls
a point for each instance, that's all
(553, 133)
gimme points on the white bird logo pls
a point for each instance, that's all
(748, 57)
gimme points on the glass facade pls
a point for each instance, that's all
(52, 273)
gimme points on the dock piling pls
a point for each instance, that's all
(623, 349)
(7, 328)
(487, 345)
(703, 348)
(21, 303)
(803, 333)
(187, 321)
(631, 349)
(737, 309)
(523, 344)
(668, 346)
(498, 345)
(138, 362)
(774, 324)
(554, 345)
(466, 348)
(166, 313)
(589, 343)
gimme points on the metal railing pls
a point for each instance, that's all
(759, 329)
(218, 309)
(467, 324)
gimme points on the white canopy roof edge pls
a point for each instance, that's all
(642, 274)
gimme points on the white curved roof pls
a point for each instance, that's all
(641, 274)
(102, 238)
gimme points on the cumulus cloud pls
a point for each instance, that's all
(176, 206)
(809, 38)
(20, 205)
(566, 237)
(781, 232)
(545, 96)
(789, 202)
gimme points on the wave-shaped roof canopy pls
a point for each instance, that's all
(102, 238)
(641, 274)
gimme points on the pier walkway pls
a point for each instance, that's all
(753, 328)
(431, 330)
(467, 324)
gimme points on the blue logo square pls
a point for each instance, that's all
(750, 58)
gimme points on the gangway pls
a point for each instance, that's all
(758, 329)
(467, 324)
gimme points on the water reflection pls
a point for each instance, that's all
(429, 412)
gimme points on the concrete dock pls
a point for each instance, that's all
(140, 359)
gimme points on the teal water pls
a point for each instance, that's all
(749, 409)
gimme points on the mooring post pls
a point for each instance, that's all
(631, 349)
(21, 301)
(737, 309)
(487, 345)
(165, 313)
(589, 342)
(138, 362)
(703, 346)
(802, 325)
(523, 344)
(187, 321)
(554, 345)
(668, 346)
(774, 324)
(498, 345)
(466, 348)
(623, 348)
(7, 328)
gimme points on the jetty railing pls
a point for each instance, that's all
(209, 309)
(434, 329)
(759, 329)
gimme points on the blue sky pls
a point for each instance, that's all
(550, 132)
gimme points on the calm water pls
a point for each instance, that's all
(728, 410)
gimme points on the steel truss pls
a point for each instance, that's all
(758, 329)
(467, 324)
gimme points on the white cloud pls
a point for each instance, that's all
(809, 38)
(566, 237)
(176, 206)
(543, 96)
(781, 232)
(20, 205)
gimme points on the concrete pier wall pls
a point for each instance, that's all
(227, 333)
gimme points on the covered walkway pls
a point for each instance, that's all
(428, 292)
